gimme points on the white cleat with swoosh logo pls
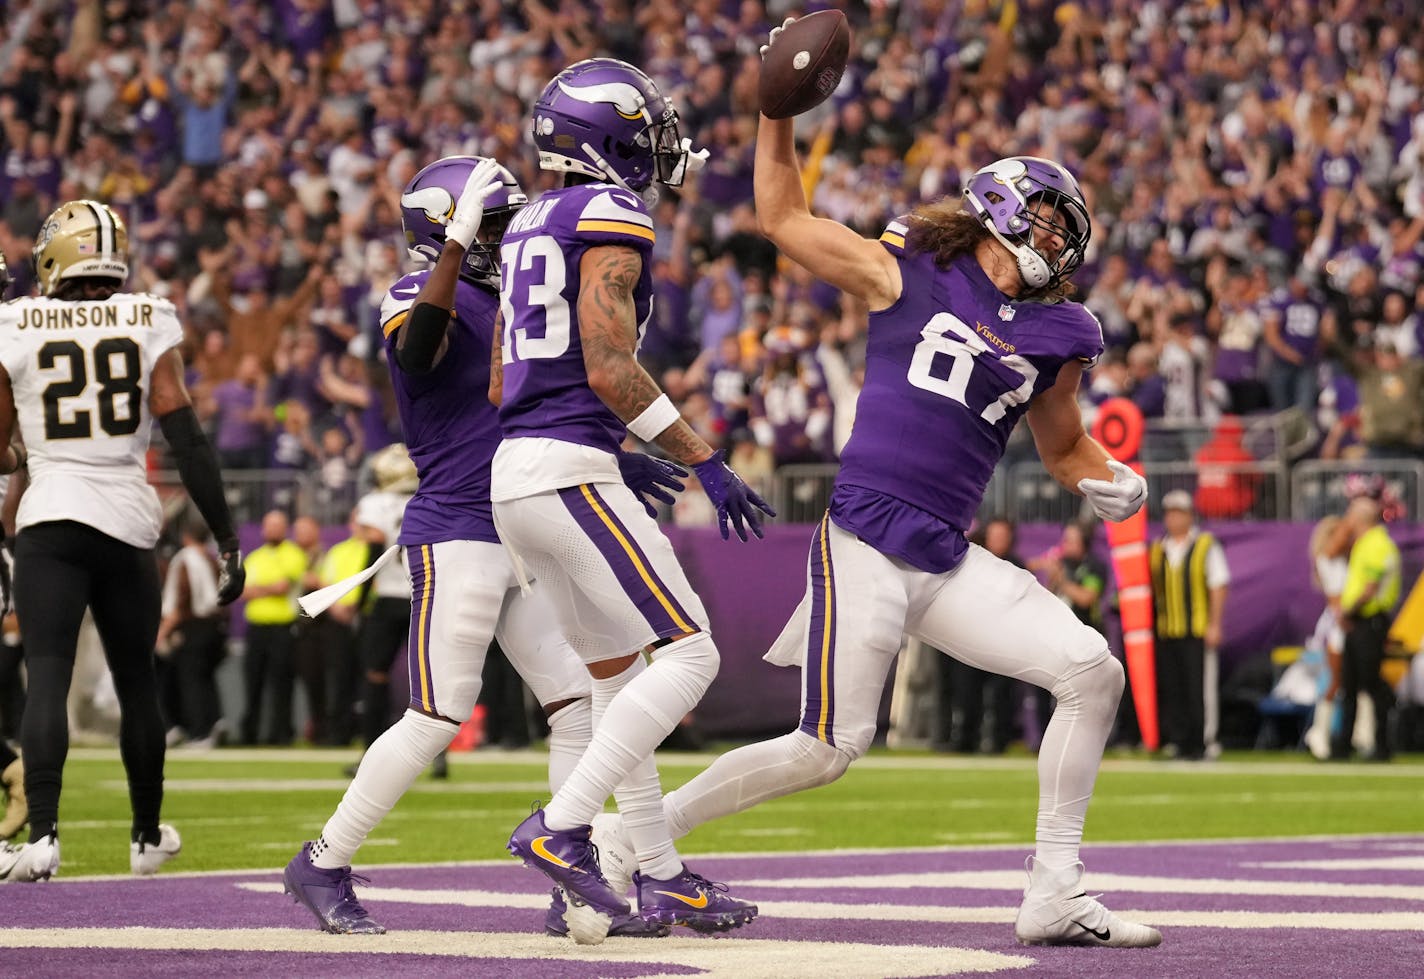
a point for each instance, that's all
(1057, 911)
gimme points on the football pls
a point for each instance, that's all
(803, 66)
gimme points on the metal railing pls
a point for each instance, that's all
(1318, 485)
(252, 492)
(1022, 491)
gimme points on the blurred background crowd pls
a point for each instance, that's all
(1255, 173)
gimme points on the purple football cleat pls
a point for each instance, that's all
(692, 900)
(624, 925)
(567, 858)
(328, 894)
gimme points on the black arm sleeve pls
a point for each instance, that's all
(198, 468)
(422, 333)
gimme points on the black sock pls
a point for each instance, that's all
(149, 836)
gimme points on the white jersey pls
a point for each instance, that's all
(384, 511)
(80, 374)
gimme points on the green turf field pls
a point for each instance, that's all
(247, 809)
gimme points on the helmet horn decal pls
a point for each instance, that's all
(431, 201)
(626, 100)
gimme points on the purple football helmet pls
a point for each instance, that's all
(606, 119)
(1004, 196)
(428, 202)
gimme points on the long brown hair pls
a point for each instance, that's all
(944, 229)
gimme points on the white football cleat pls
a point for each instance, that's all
(616, 857)
(1057, 911)
(145, 859)
(29, 861)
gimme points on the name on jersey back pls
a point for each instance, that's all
(72, 316)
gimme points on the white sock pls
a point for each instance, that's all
(755, 773)
(632, 726)
(570, 727)
(387, 770)
(1069, 757)
(640, 795)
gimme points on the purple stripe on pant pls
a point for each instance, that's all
(635, 573)
(819, 717)
(422, 614)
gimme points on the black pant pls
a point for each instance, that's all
(385, 629)
(1360, 664)
(325, 657)
(502, 693)
(268, 661)
(200, 645)
(1181, 693)
(975, 708)
(62, 567)
(12, 691)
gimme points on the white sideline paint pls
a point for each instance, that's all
(749, 958)
(331, 785)
(1346, 863)
(827, 911)
(1013, 880)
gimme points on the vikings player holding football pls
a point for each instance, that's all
(970, 330)
(577, 294)
(439, 324)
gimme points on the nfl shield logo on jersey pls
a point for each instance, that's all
(1006, 312)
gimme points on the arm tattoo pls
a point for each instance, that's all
(608, 330)
(496, 381)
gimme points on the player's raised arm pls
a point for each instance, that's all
(827, 249)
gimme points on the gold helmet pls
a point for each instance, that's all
(81, 238)
(394, 470)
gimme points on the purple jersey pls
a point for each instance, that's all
(546, 392)
(451, 429)
(950, 369)
(1299, 320)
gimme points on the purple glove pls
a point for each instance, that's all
(648, 476)
(734, 499)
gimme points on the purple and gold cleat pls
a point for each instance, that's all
(624, 925)
(568, 859)
(329, 894)
(692, 900)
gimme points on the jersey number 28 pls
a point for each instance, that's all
(116, 368)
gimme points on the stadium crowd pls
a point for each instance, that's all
(1256, 174)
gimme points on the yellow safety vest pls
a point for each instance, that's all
(268, 565)
(1180, 591)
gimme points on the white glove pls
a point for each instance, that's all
(464, 224)
(775, 31)
(1119, 499)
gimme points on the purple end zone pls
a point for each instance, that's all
(220, 901)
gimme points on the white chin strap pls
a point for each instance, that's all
(648, 194)
(1033, 268)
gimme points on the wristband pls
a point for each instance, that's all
(654, 419)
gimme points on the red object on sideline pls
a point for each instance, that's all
(1119, 428)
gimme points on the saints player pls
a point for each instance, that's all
(970, 330)
(577, 293)
(84, 369)
(439, 324)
